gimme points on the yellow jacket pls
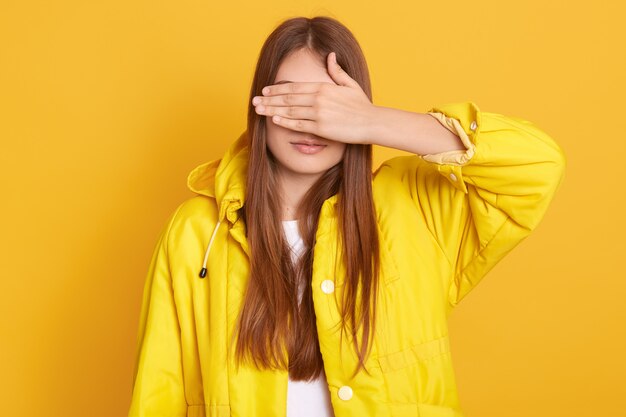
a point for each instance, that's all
(444, 221)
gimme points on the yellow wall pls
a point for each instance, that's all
(106, 106)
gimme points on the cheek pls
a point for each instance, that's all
(275, 131)
(275, 139)
(341, 151)
(272, 133)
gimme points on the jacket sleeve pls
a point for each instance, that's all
(479, 203)
(158, 388)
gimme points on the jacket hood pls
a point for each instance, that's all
(224, 179)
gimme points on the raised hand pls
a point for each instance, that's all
(340, 112)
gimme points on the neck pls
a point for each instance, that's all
(294, 187)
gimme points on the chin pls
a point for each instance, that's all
(305, 169)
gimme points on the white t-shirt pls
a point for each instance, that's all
(305, 399)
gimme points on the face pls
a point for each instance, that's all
(293, 158)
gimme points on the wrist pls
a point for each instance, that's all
(389, 126)
(377, 126)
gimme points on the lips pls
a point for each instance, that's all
(308, 147)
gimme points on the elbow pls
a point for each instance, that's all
(558, 164)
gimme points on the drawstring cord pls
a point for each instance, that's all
(206, 254)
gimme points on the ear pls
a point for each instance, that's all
(337, 73)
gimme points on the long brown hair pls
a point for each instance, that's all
(271, 319)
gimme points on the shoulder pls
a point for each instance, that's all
(193, 207)
(198, 210)
(392, 186)
(400, 170)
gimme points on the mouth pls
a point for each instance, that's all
(308, 147)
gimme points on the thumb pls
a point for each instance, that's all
(337, 73)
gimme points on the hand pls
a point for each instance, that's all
(340, 112)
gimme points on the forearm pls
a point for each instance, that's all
(418, 133)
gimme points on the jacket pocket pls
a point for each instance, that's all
(421, 374)
(421, 352)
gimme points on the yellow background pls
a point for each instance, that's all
(106, 106)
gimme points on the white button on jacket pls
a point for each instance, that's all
(345, 393)
(328, 286)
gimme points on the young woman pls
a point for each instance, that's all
(297, 281)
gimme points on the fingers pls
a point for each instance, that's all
(338, 74)
(291, 112)
(308, 126)
(290, 99)
(292, 87)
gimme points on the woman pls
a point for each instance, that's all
(297, 282)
